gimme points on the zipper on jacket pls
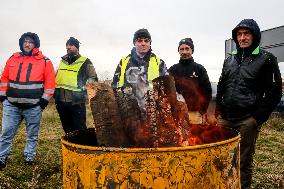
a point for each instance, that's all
(243, 56)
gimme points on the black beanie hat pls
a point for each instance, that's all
(31, 35)
(73, 41)
(187, 41)
(141, 33)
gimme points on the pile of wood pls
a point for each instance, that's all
(119, 122)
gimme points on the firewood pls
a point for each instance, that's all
(107, 121)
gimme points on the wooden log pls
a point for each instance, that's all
(131, 119)
(167, 117)
(106, 116)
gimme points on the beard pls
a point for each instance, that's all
(27, 52)
(185, 57)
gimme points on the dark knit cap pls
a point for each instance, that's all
(141, 33)
(31, 36)
(73, 41)
(187, 41)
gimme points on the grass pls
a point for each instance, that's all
(269, 157)
(47, 173)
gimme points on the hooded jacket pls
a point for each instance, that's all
(31, 35)
(27, 79)
(250, 83)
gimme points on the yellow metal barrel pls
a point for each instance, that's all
(208, 166)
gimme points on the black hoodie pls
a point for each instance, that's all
(254, 28)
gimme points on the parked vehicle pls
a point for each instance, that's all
(214, 90)
(280, 107)
(212, 104)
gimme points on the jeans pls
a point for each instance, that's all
(249, 130)
(12, 117)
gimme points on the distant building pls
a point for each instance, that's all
(272, 40)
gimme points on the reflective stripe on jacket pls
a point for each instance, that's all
(67, 74)
(152, 72)
(26, 79)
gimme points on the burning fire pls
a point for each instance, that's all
(204, 134)
(165, 124)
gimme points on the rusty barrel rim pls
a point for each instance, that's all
(137, 150)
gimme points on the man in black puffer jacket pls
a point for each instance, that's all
(248, 90)
(192, 82)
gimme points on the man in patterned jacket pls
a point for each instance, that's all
(135, 72)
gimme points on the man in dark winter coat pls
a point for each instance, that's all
(192, 82)
(72, 75)
(248, 90)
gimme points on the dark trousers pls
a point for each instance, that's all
(73, 117)
(249, 130)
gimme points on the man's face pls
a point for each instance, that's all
(28, 45)
(185, 51)
(244, 37)
(142, 45)
(71, 49)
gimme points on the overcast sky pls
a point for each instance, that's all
(105, 28)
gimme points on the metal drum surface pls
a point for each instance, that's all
(208, 166)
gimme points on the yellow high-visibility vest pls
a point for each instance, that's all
(152, 72)
(67, 74)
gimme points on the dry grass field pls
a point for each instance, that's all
(47, 173)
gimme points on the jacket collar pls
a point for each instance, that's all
(70, 59)
(35, 53)
(186, 61)
(254, 52)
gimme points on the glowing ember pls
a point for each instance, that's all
(205, 134)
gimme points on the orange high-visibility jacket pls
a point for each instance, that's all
(26, 79)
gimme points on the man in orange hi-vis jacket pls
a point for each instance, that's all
(27, 84)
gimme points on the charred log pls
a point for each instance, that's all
(167, 117)
(131, 119)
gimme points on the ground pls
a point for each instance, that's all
(47, 173)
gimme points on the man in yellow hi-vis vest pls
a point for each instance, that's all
(135, 72)
(70, 95)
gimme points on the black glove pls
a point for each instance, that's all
(2, 98)
(43, 103)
